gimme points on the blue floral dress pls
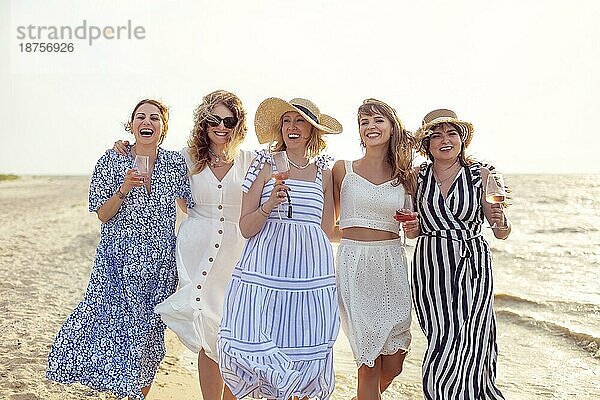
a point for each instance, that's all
(113, 340)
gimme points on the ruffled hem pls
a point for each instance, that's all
(272, 374)
(370, 362)
(119, 393)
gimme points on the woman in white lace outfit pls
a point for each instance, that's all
(372, 277)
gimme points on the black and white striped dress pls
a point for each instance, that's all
(453, 289)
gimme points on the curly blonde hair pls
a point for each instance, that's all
(199, 142)
(400, 145)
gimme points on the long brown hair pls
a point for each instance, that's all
(199, 142)
(400, 145)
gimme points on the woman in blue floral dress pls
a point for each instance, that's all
(113, 341)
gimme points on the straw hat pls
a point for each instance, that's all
(440, 116)
(269, 112)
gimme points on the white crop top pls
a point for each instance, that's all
(366, 205)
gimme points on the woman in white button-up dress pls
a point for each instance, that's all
(209, 242)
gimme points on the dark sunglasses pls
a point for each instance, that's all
(228, 122)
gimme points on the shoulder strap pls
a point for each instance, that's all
(348, 165)
(256, 166)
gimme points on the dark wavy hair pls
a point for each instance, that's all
(164, 116)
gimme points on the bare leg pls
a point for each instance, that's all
(368, 381)
(145, 390)
(211, 383)
(391, 367)
(227, 395)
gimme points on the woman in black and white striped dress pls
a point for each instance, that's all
(452, 266)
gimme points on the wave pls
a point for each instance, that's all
(504, 299)
(567, 229)
(508, 300)
(588, 343)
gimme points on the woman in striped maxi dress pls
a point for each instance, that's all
(452, 265)
(280, 316)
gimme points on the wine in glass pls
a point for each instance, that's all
(281, 166)
(281, 172)
(495, 191)
(406, 212)
(142, 166)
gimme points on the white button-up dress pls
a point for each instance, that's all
(209, 244)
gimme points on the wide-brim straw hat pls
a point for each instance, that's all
(269, 113)
(440, 116)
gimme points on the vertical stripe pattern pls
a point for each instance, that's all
(453, 289)
(280, 317)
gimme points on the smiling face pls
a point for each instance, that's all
(295, 130)
(147, 124)
(374, 129)
(220, 134)
(445, 142)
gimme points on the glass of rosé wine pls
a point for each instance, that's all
(406, 212)
(281, 172)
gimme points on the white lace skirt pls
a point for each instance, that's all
(374, 298)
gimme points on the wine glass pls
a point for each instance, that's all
(281, 172)
(406, 212)
(142, 166)
(495, 191)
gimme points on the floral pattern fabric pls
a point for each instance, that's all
(113, 340)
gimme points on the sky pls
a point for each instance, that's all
(524, 72)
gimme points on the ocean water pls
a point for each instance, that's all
(547, 288)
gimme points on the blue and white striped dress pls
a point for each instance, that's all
(280, 317)
(453, 289)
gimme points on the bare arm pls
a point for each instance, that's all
(253, 217)
(327, 221)
(494, 213)
(182, 205)
(412, 229)
(113, 204)
(337, 174)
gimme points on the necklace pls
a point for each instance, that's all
(215, 164)
(439, 181)
(299, 166)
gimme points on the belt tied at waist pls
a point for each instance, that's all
(466, 244)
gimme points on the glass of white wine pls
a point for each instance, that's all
(495, 192)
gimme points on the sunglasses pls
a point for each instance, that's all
(228, 122)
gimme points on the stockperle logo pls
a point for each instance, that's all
(85, 31)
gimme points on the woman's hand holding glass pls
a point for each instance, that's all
(408, 217)
(278, 196)
(132, 179)
(497, 219)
